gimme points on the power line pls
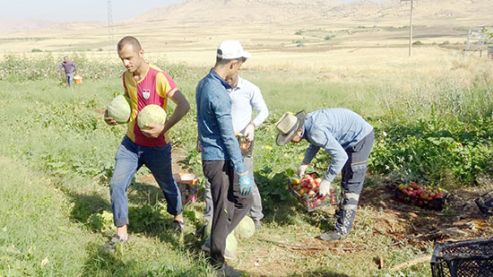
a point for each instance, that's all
(410, 25)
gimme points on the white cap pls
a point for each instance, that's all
(231, 49)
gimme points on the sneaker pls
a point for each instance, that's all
(330, 236)
(114, 241)
(178, 226)
(200, 232)
(206, 247)
(228, 271)
(258, 224)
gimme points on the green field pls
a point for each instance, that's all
(57, 154)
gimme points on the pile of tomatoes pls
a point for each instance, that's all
(420, 195)
(306, 189)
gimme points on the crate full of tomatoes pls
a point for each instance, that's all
(422, 196)
(306, 191)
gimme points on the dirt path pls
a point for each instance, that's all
(403, 222)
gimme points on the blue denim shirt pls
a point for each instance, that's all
(215, 126)
(334, 130)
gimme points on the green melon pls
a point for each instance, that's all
(231, 246)
(245, 229)
(231, 242)
(151, 114)
(119, 109)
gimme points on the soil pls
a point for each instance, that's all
(459, 220)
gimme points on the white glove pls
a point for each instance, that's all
(324, 187)
(249, 131)
(301, 170)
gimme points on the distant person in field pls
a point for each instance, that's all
(145, 84)
(222, 162)
(246, 98)
(69, 68)
(348, 138)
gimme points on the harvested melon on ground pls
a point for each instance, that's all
(119, 109)
(245, 229)
(231, 246)
(151, 114)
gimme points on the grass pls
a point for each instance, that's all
(36, 236)
(58, 144)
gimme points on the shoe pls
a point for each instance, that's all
(228, 271)
(114, 241)
(206, 247)
(200, 232)
(178, 226)
(330, 236)
(258, 224)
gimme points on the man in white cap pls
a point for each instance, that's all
(348, 138)
(246, 97)
(222, 161)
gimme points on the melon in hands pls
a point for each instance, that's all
(151, 114)
(119, 109)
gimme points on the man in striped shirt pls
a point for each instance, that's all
(145, 84)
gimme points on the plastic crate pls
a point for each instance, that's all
(470, 258)
(434, 204)
(314, 201)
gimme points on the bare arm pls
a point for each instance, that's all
(182, 108)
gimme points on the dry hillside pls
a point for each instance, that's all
(189, 31)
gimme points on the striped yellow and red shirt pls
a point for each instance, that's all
(154, 88)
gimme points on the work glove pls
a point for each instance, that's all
(249, 131)
(301, 170)
(324, 188)
(246, 184)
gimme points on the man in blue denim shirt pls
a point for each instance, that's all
(222, 161)
(348, 138)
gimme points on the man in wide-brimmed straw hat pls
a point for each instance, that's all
(348, 138)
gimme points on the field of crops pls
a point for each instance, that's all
(57, 154)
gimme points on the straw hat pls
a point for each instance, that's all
(288, 125)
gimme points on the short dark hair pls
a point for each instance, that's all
(129, 40)
(221, 61)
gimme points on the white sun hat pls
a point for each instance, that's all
(231, 50)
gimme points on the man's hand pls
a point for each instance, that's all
(249, 131)
(301, 170)
(108, 119)
(246, 184)
(324, 187)
(153, 130)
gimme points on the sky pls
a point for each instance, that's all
(79, 10)
(76, 10)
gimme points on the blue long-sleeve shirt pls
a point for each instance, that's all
(215, 127)
(334, 130)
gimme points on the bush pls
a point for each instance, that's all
(444, 151)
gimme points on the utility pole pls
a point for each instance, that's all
(110, 21)
(410, 25)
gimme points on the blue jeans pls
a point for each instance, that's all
(129, 158)
(70, 79)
